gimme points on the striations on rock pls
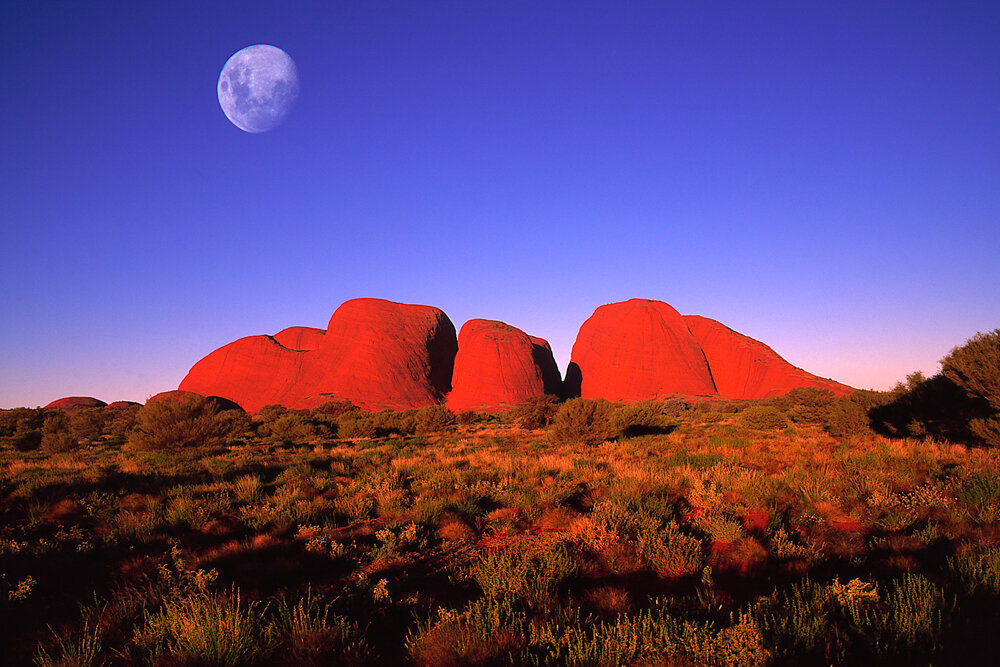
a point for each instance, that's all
(300, 338)
(499, 366)
(637, 350)
(77, 402)
(746, 368)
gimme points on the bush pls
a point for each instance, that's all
(291, 427)
(763, 417)
(585, 420)
(975, 367)
(56, 436)
(87, 424)
(180, 420)
(27, 441)
(642, 418)
(433, 418)
(536, 413)
(809, 404)
(520, 575)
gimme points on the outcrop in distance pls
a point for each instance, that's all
(374, 353)
(379, 354)
(76, 402)
(498, 365)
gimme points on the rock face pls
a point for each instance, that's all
(374, 353)
(379, 354)
(637, 350)
(77, 402)
(300, 338)
(746, 368)
(498, 366)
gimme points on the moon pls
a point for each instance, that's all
(258, 86)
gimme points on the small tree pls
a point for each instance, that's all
(975, 367)
(181, 419)
(585, 420)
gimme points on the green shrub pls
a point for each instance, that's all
(584, 420)
(87, 424)
(206, 629)
(56, 436)
(641, 418)
(980, 489)
(978, 570)
(763, 417)
(537, 412)
(810, 405)
(433, 418)
(291, 427)
(28, 441)
(525, 576)
(975, 367)
(181, 420)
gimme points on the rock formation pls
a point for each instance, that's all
(746, 368)
(637, 350)
(374, 353)
(77, 402)
(379, 354)
(300, 338)
(498, 366)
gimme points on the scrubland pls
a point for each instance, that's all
(681, 532)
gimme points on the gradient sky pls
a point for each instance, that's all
(822, 176)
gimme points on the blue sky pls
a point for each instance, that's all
(822, 176)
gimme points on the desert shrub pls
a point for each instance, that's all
(978, 569)
(523, 575)
(87, 424)
(586, 420)
(467, 417)
(909, 620)
(184, 420)
(120, 419)
(356, 425)
(537, 412)
(642, 418)
(486, 632)
(312, 633)
(848, 415)
(763, 417)
(291, 427)
(79, 649)
(55, 434)
(809, 404)
(975, 367)
(433, 418)
(206, 629)
(669, 551)
(799, 622)
(980, 489)
(16, 421)
(331, 410)
(27, 441)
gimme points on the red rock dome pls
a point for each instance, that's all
(374, 353)
(637, 350)
(77, 402)
(746, 368)
(498, 366)
(253, 372)
(300, 338)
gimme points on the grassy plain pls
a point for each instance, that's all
(696, 539)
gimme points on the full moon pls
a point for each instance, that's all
(258, 87)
